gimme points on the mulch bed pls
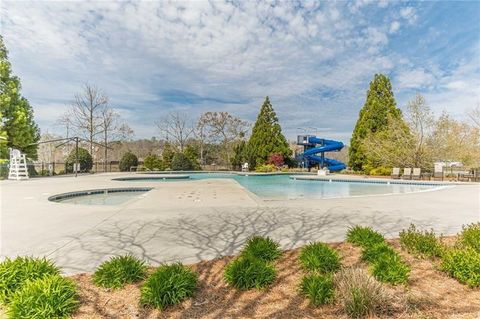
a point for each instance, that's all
(429, 294)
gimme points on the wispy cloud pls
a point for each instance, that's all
(314, 59)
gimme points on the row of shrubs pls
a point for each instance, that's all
(33, 287)
(461, 261)
(385, 263)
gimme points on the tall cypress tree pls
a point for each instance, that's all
(379, 105)
(267, 137)
(17, 124)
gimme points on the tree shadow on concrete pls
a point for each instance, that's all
(216, 234)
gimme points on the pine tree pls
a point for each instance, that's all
(267, 137)
(17, 124)
(374, 117)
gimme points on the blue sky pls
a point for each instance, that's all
(314, 59)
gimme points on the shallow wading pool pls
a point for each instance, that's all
(109, 196)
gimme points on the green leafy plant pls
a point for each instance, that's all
(318, 288)
(263, 248)
(391, 269)
(360, 294)
(363, 236)
(118, 271)
(463, 265)
(127, 161)
(168, 285)
(247, 272)
(319, 257)
(421, 243)
(49, 297)
(84, 159)
(470, 236)
(181, 162)
(15, 273)
(372, 253)
(153, 163)
(266, 168)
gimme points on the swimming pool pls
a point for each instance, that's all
(109, 196)
(275, 187)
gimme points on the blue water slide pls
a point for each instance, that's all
(325, 146)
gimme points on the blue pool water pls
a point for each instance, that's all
(99, 196)
(283, 187)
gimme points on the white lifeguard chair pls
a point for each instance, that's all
(245, 167)
(18, 165)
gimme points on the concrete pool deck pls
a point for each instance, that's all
(194, 220)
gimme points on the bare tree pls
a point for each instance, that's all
(420, 120)
(112, 128)
(201, 135)
(223, 128)
(474, 115)
(176, 128)
(85, 113)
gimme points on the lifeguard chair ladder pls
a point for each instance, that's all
(18, 165)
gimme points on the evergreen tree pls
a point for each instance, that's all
(192, 154)
(17, 125)
(167, 155)
(267, 137)
(374, 117)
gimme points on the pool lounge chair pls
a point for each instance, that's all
(417, 173)
(438, 172)
(396, 173)
(407, 173)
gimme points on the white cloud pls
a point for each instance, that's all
(394, 27)
(414, 78)
(409, 14)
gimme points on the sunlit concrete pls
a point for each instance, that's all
(191, 220)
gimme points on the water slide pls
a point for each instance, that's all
(310, 153)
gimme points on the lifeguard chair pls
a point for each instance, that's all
(18, 165)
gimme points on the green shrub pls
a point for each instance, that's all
(421, 243)
(318, 288)
(470, 236)
(463, 265)
(364, 236)
(84, 158)
(246, 272)
(49, 297)
(15, 273)
(266, 168)
(372, 253)
(181, 162)
(360, 294)
(319, 257)
(391, 269)
(381, 171)
(263, 248)
(168, 285)
(118, 271)
(153, 163)
(127, 161)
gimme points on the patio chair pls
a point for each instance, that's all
(396, 173)
(417, 173)
(407, 173)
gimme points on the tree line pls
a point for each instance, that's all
(385, 137)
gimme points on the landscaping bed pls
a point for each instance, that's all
(418, 275)
(430, 293)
